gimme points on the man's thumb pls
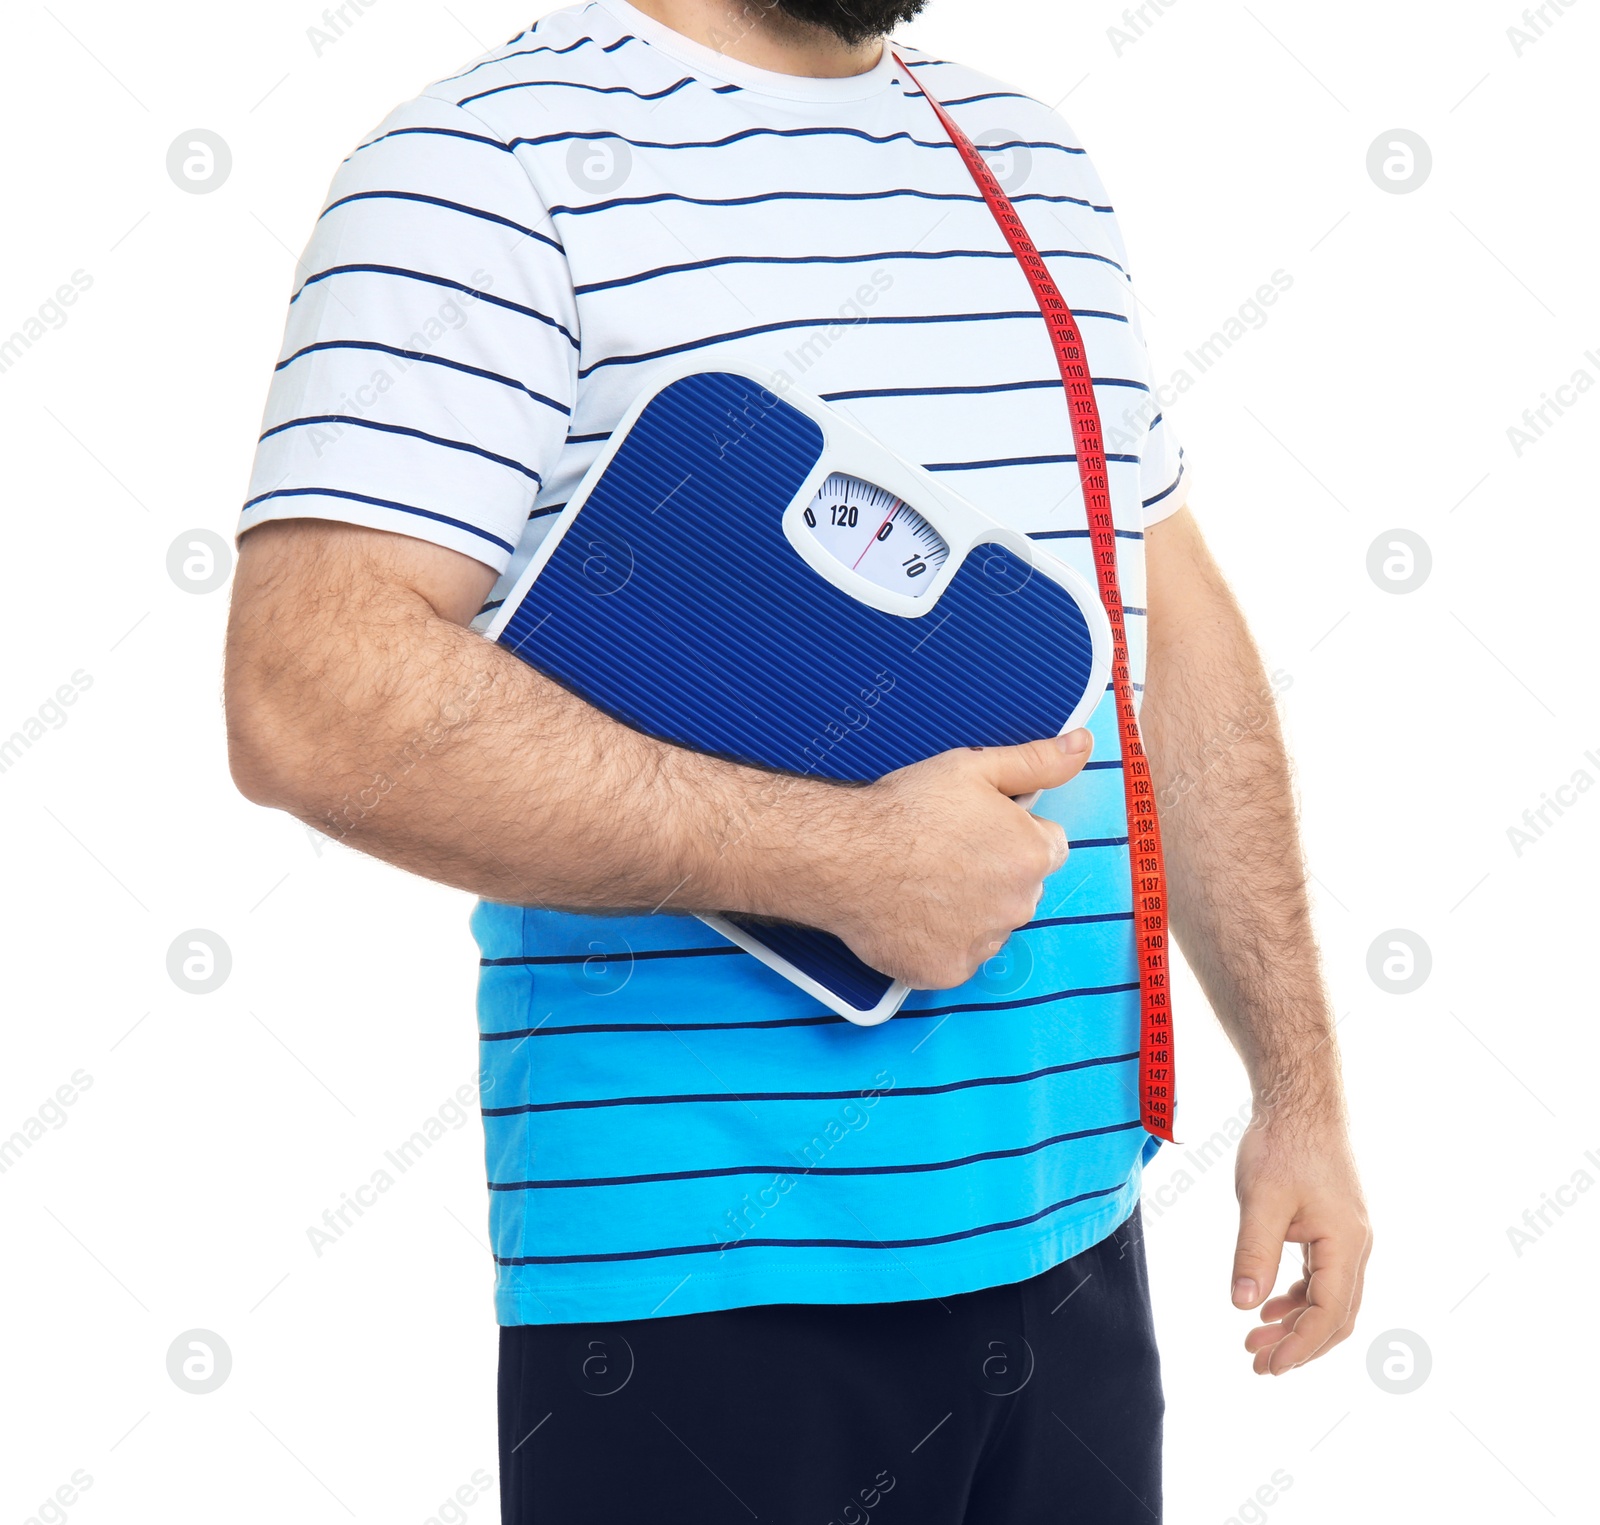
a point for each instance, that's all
(1256, 1257)
(1037, 764)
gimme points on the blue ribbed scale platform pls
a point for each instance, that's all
(674, 602)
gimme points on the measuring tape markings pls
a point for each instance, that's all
(1147, 863)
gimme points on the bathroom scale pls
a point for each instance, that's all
(744, 571)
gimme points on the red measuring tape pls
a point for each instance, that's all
(1146, 862)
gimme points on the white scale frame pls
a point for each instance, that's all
(849, 449)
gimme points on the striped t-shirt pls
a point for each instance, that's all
(501, 268)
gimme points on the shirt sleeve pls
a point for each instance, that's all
(429, 362)
(1163, 477)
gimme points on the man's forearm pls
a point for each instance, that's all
(391, 727)
(1236, 873)
(359, 702)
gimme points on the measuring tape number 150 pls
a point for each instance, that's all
(1156, 1071)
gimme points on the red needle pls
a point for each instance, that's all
(894, 509)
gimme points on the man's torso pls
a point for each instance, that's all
(671, 1127)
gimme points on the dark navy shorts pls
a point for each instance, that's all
(1016, 1405)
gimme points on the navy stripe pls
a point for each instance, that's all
(1129, 609)
(1082, 534)
(414, 355)
(697, 1098)
(435, 280)
(790, 1168)
(588, 439)
(724, 949)
(1077, 921)
(501, 58)
(555, 508)
(432, 132)
(432, 439)
(1020, 460)
(1099, 841)
(954, 391)
(836, 259)
(569, 84)
(584, 958)
(821, 1019)
(404, 508)
(1115, 762)
(1166, 492)
(841, 1244)
(777, 132)
(449, 206)
(1032, 315)
(1054, 385)
(743, 201)
(993, 95)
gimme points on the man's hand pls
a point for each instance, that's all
(945, 865)
(1296, 1182)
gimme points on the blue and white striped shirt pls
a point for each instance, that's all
(500, 269)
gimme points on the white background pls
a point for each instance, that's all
(175, 1192)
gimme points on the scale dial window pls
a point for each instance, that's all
(877, 535)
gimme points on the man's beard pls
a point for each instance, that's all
(852, 21)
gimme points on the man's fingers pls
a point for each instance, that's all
(1055, 835)
(1262, 1226)
(1315, 1331)
(1333, 1267)
(1277, 1307)
(1264, 1337)
(1037, 764)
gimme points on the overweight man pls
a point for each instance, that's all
(753, 1261)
